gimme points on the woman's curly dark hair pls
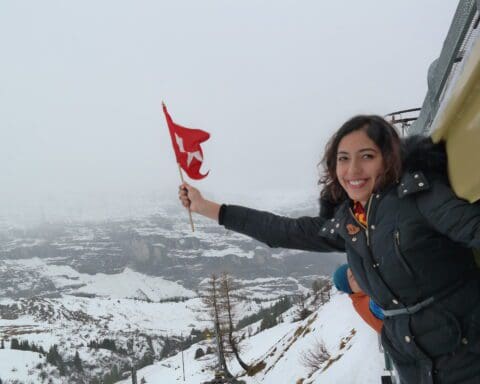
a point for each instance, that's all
(383, 134)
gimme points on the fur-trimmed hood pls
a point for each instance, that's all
(419, 153)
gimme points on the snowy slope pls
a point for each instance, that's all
(20, 365)
(352, 345)
(127, 284)
(347, 338)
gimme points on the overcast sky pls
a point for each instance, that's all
(81, 84)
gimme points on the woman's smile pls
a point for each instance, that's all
(357, 184)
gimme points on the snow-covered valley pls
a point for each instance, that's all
(112, 295)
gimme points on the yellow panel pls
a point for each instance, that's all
(458, 125)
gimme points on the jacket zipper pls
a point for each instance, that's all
(368, 213)
(396, 241)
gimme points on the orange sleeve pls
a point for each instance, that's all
(361, 303)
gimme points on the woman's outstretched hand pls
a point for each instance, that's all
(191, 197)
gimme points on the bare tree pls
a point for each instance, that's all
(229, 306)
(321, 289)
(315, 357)
(325, 292)
(302, 311)
(212, 302)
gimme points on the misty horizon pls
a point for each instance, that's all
(82, 86)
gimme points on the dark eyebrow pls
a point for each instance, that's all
(361, 150)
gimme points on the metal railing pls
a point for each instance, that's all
(403, 120)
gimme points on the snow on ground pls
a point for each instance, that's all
(23, 322)
(127, 284)
(19, 365)
(352, 345)
(7, 301)
(115, 315)
(74, 321)
(133, 284)
(170, 370)
(336, 324)
(268, 289)
(231, 250)
(170, 317)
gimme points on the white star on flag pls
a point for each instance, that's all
(190, 155)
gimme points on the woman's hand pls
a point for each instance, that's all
(191, 197)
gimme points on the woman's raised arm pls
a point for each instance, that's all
(274, 230)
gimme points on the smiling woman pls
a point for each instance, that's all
(409, 242)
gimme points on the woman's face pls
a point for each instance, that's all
(359, 164)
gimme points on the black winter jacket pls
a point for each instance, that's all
(415, 256)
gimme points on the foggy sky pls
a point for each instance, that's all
(81, 83)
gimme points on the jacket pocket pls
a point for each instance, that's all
(436, 331)
(398, 253)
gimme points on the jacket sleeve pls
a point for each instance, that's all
(454, 217)
(278, 231)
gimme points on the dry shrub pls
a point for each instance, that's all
(315, 357)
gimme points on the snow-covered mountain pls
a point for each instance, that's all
(82, 285)
(158, 245)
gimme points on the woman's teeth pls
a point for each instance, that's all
(356, 183)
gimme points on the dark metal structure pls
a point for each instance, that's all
(441, 72)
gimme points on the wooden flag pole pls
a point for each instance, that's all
(189, 211)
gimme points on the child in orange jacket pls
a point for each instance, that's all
(370, 312)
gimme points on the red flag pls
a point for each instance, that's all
(186, 144)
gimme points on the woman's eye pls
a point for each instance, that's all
(367, 156)
(342, 158)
